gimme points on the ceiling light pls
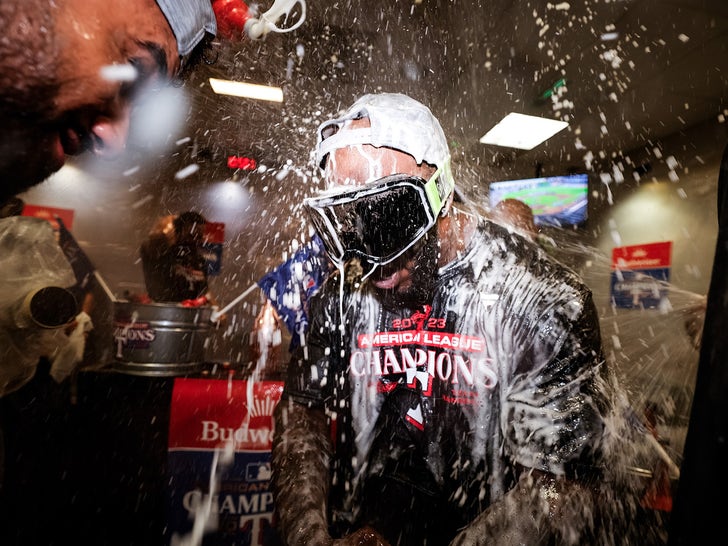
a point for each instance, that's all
(247, 90)
(522, 131)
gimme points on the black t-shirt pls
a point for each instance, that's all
(503, 369)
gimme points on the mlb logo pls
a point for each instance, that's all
(257, 472)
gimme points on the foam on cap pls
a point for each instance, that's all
(397, 121)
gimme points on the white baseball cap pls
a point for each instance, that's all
(398, 122)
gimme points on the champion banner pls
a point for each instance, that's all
(640, 275)
(226, 493)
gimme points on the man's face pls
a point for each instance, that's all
(56, 100)
(404, 278)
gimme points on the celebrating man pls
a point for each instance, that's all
(452, 389)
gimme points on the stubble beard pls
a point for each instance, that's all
(28, 87)
(423, 275)
(28, 59)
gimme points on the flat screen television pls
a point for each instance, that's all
(559, 201)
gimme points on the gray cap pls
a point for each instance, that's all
(397, 121)
(190, 21)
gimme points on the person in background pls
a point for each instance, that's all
(518, 215)
(174, 268)
(56, 100)
(452, 388)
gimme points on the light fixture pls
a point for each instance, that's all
(246, 90)
(522, 131)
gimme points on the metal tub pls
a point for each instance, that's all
(159, 339)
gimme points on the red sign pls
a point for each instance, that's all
(645, 256)
(49, 213)
(207, 414)
(214, 232)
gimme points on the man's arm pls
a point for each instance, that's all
(540, 509)
(302, 448)
(300, 462)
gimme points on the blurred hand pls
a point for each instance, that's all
(70, 327)
(366, 536)
(219, 321)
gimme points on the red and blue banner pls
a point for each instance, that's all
(640, 275)
(212, 247)
(231, 493)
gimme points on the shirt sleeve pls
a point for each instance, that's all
(556, 406)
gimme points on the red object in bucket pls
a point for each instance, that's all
(197, 302)
(231, 17)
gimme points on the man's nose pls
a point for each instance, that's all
(110, 135)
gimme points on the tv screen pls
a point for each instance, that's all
(559, 201)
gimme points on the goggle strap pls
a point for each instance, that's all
(447, 178)
(431, 190)
(433, 196)
(344, 139)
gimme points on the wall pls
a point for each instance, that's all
(674, 201)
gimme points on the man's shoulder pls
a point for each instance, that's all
(497, 253)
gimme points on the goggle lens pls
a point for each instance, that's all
(377, 223)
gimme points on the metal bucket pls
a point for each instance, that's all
(159, 339)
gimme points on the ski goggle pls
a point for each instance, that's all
(378, 221)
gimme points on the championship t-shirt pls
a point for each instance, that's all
(502, 369)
